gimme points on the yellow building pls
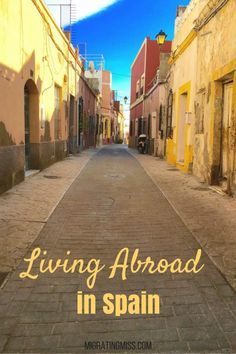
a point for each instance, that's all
(204, 90)
(215, 119)
(121, 124)
(42, 86)
(179, 149)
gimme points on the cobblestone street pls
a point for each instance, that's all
(113, 203)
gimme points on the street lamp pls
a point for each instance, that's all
(125, 99)
(161, 37)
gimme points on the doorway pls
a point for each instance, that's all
(80, 121)
(181, 128)
(71, 125)
(31, 124)
(27, 127)
(225, 131)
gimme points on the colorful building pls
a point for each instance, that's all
(144, 76)
(184, 73)
(47, 108)
(119, 122)
(154, 108)
(215, 107)
(203, 81)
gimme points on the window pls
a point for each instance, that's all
(57, 113)
(142, 80)
(142, 85)
(169, 129)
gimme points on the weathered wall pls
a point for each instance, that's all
(216, 59)
(203, 60)
(155, 107)
(153, 55)
(184, 83)
(137, 70)
(34, 50)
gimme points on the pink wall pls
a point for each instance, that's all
(147, 62)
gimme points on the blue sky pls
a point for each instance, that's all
(118, 31)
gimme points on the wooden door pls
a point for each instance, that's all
(226, 119)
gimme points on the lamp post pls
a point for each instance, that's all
(161, 37)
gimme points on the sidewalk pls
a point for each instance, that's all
(209, 216)
(25, 208)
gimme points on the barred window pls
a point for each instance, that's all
(169, 129)
(161, 122)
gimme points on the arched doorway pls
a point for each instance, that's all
(31, 117)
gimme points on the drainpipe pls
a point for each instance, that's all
(232, 174)
(68, 100)
(76, 102)
(229, 173)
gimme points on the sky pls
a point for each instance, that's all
(117, 28)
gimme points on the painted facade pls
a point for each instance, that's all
(215, 135)
(47, 108)
(145, 72)
(154, 108)
(183, 70)
(203, 71)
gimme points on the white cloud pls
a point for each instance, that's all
(81, 8)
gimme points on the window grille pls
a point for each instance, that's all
(169, 129)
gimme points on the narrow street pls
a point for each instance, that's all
(112, 204)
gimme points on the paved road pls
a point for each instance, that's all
(114, 204)
(209, 215)
(26, 207)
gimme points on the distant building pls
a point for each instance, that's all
(101, 82)
(107, 107)
(155, 109)
(145, 76)
(119, 122)
(94, 78)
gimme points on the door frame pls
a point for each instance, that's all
(34, 125)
